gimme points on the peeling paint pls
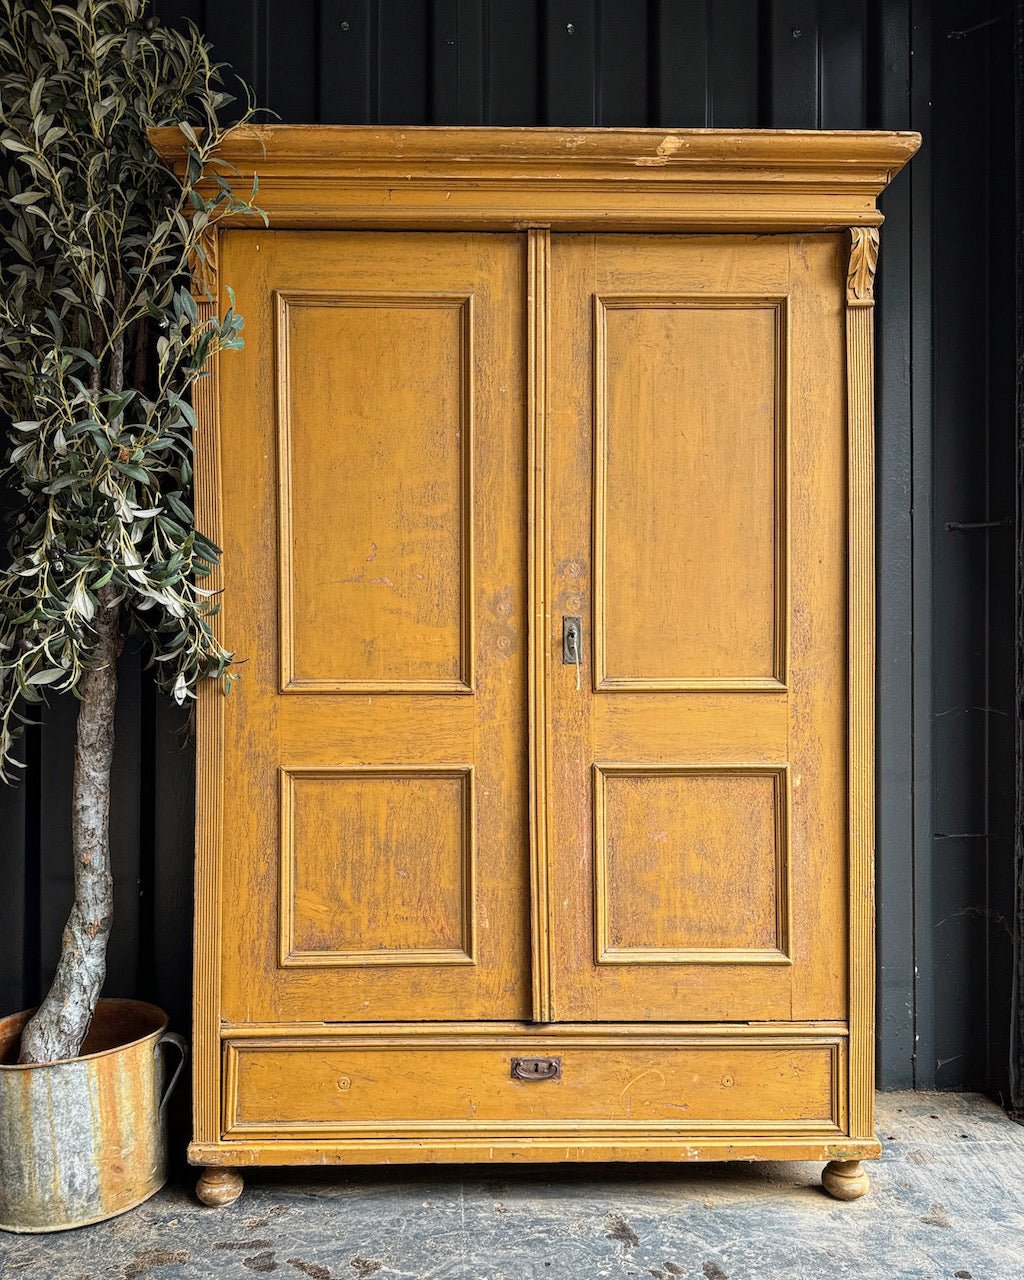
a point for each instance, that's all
(666, 149)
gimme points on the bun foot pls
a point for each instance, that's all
(845, 1179)
(219, 1187)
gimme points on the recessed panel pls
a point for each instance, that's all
(690, 493)
(375, 422)
(691, 864)
(462, 1082)
(376, 867)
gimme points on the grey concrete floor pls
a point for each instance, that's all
(947, 1200)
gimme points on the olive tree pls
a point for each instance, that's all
(100, 343)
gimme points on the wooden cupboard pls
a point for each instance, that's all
(539, 825)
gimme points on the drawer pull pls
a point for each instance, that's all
(536, 1068)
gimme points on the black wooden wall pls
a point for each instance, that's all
(945, 433)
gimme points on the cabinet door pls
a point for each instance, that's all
(697, 832)
(374, 861)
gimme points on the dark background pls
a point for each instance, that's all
(946, 456)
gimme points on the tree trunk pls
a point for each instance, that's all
(60, 1025)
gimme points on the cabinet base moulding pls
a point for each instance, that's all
(537, 1150)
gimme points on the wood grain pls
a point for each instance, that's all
(674, 452)
(672, 886)
(689, 594)
(209, 735)
(860, 344)
(379, 883)
(429, 1090)
(418, 826)
(395, 561)
(342, 902)
(539, 662)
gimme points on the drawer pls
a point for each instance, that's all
(352, 1084)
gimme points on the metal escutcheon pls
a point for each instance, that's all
(536, 1068)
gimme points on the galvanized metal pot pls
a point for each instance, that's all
(85, 1139)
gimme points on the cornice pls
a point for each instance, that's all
(566, 179)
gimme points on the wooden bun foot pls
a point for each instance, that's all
(219, 1187)
(845, 1179)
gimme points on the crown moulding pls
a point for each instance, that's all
(566, 179)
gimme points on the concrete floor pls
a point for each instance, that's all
(947, 1200)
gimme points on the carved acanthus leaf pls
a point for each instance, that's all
(204, 266)
(860, 279)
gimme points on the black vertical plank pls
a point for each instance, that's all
(457, 61)
(174, 11)
(14, 874)
(843, 29)
(793, 54)
(922, 500)
(622, 59)
(403, 60)
(569, 62)
(1017, 914)
(1001, 569)
(682, 65)
(290, 87)
(347, 42)
(513, 79)
(32, 948)
(168, 820)
(958, 891)
(444, 62)
(890, 108)
(236, 29)
(733, 68)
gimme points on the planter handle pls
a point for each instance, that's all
(179, 1042)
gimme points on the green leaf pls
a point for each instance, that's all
(63, 482)
(50, 676)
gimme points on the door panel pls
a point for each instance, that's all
(671, 414)
(696, 466)
(375, 744)
(376, 598)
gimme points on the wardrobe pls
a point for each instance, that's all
(539, 824)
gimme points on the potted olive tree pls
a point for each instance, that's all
(100, 343)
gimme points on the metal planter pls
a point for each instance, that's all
(85, 1139)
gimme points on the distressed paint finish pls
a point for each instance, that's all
(704, 445)
(83, 1140)
(403, 651)
(326, 984)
